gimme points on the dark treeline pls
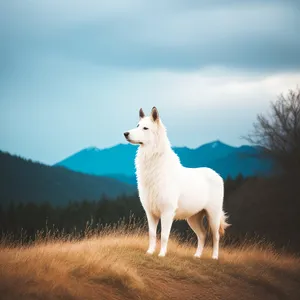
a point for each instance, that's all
(25, 181)
(18, 219)
(24, 220)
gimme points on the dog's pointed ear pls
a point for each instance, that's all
(142, 115)
(154, 114)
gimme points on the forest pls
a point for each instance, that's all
(26, 221)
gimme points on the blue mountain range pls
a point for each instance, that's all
(118, 161)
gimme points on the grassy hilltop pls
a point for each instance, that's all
(114, 266)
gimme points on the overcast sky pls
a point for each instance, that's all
(74, 73)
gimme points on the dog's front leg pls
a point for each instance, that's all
(166, 224)
(152, 227)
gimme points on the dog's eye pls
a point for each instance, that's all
(145, 128)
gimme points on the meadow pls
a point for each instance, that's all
(111, 264)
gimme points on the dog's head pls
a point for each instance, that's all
(147, 129)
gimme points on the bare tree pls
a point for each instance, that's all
(278, 133)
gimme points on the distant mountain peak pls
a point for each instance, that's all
(117, 146)
(216, 143)
(92, 148)
(118, 160)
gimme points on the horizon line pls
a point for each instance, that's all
(113, 146)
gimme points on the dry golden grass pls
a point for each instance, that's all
(115, 266)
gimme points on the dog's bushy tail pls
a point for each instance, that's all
(223, 223)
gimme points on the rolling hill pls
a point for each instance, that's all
(23, 181)
(118, 161)
(114, 266)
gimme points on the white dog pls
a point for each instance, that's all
(170, 191)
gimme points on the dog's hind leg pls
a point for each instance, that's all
(152, 227)
(214, 219)
(166, 224)
(196, 224)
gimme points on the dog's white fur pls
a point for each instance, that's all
(170, 191)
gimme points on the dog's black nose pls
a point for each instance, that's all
(126, 134)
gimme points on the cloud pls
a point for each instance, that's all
(174, 35)
(74, 73)
(56, 106)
